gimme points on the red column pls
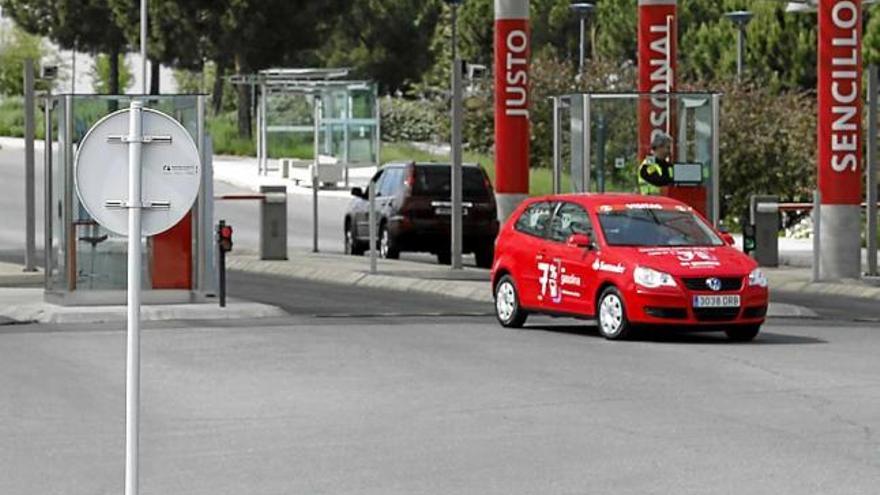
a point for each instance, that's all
(512, 48)
(839, 157)
(657, 55)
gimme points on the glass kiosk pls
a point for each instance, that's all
(86, 264)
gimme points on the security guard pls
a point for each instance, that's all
(656, 169)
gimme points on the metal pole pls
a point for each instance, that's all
(871, 176)
(48, 211)
(371, 218)
(581, 48)
(264, 133)
(716, 160)
(73, 69)
(29, 181)
(202, 209)
(456, 221)
(740, 49)
(315, 175)
(557, 147)
(144, 46)
(132, 362)
(587, 116)
(817, 244)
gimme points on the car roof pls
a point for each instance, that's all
(592, 200)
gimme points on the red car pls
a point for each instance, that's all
(626, 260)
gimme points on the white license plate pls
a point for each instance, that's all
(716, 301)
(448, 211)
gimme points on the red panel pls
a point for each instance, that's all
(840, 102)
(512, 48)
(657, 64)
(171, 262)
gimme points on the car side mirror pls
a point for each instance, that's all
(728, 239)
(580, 240)
(357, 192)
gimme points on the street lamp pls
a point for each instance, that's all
(583, 11)
(741, 18)
(455, 179)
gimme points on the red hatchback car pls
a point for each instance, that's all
(626, 260)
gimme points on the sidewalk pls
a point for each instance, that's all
(473, 283)
(13, 275)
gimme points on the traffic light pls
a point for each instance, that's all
(224, 237)
(748, 238)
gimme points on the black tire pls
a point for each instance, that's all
(611, 315)
(444, 258)
(388, 247)
(507, 307)
(742, 333)
(485, 255)
(352, 246)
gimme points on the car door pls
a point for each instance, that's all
(575, 281)
(528, 250)
(361, 215)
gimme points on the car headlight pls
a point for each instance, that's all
(652, 279)
(758, 279)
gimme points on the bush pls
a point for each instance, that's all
(12, 117)
(406, 120)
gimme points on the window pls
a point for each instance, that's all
(656, 227)
(534, 219)
(569, 219)
(434, 180)
(391, 179)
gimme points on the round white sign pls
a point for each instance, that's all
(170, 172)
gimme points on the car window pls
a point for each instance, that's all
(390, 182)
(377, 181)
(569, 219)
(434, 180)
(535, 218)
(656, 227)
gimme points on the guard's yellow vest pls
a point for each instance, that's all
(646, 187)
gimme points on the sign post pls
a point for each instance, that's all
(163, 182)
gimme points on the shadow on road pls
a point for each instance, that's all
(668, 336)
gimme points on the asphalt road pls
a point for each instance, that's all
(387, 400)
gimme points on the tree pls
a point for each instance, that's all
(385, 40)
(16, 46)
(87, 25)
(101, 74)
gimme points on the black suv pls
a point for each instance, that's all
(414, 211)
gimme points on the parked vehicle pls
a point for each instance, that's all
(626, 260)
(413, 212)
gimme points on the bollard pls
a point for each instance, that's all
(273, 223)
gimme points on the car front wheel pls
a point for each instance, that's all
(352, 246)
(507, 309)
(613, 324)
(388, 244)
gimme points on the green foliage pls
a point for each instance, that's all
(12, 118)
(409, 120)
(16, 46)
(101, 75)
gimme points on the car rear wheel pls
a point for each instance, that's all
(352, 246)
(613, 324)
(388, 244)
(484, 256)
(744, 333)
(507, 309)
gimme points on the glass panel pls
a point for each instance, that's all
(84, 255)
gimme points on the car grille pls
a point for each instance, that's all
(727, 283)
(716, 314)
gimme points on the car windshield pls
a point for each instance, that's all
(655, 227)
(434, 180)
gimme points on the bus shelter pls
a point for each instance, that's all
(598, 146)
(87, 264)
(315, 113)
